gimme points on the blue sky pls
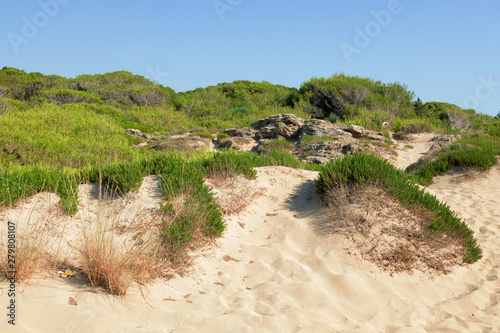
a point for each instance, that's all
(445, 51)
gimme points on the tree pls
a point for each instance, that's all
(419, 107)
(498, 115)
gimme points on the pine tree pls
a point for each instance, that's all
(419, 107)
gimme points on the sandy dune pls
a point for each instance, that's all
(278, 269)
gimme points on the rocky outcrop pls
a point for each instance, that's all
(443, 140)
(323, 128)
(361, 132)
(238, 143)
(280, 126)
(315, 140)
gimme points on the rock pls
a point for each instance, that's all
(352, 148)
(361, 132)
(183, 144)
(441, 141)
(237, 143)
(318, 127)
(137, 133)
(327, 150)
(280, 126)
(316, 160)
(245, 132)
(287, 119)
(446, 138)
(284, 130)
(133, 131)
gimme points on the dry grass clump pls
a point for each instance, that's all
(91, 243)
(115, 263)
(113, 256)
(30, 254)
(35, 239)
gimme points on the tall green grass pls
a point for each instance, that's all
(359, 170)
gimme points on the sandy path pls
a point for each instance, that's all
(421, 144)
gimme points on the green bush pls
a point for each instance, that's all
(122, 177)
(337, 93)
(472, 151)
(199, 210)
(240, 111)
(359, 170)
(229, 163)
(222, 136)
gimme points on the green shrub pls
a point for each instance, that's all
(414, 128)
(339, 92)
(229, 163)
(123, 177)
(359, 170)
(66, 96)
(240, 111)
(190, 205)
(222, 136)
(487, 142)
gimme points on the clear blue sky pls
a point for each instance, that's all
(445, 51)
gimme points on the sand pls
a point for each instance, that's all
(276, 269)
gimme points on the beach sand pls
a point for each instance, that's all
(277, 269)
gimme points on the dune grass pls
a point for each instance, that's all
(477, 151)
(360, 170)
(113, 262)
(464, 159)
